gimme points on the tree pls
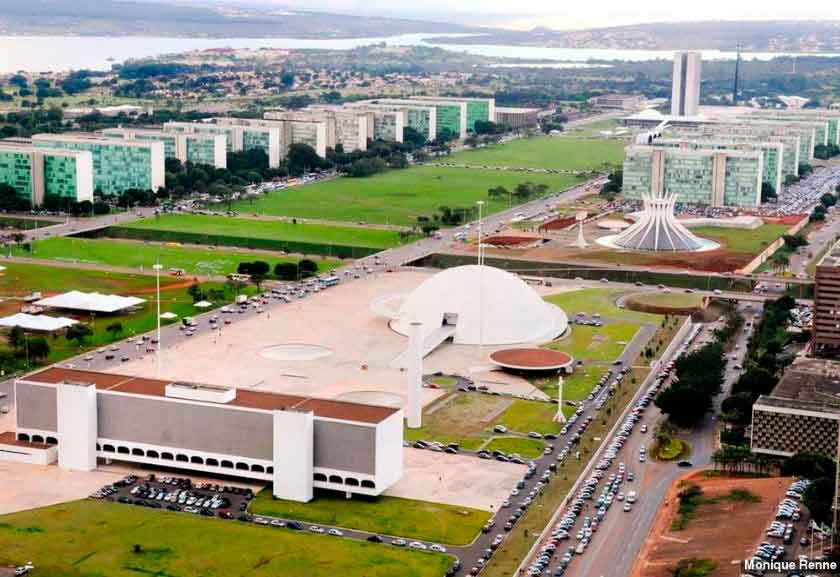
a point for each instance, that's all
(16, 337)
(780, 261)
(78, 332)
(196, 292)
(818, 497)
(828, 200)
(286, 270)
(38, 349)
(115, 329)
(818, 214)
(302, 158)
(307, 268)
(614, 183)
(414, 137)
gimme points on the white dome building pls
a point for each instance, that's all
(480, 305)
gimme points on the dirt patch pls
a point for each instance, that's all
(725, 531)
(187, 283)
(510, 240)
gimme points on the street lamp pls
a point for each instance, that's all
(480, 204)
(157, 266)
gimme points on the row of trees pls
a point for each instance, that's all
(259, 270)
(698, 378)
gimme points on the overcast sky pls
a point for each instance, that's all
(568, 14)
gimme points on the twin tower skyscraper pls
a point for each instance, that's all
(685, 90)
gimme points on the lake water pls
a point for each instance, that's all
(51, 53)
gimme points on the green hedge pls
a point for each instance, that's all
(310, 248)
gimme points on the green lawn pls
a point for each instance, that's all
(575, 386)
(598, 300)
(468, 419)
(599, 344)
(592, 129)
(20, 279)
(384, 515)
(544, 152)
(141, 255)
(738, 240)
(527, 416)
(397, 196)
(463, 420)
(96, 539)
(525, 448)
(271, 230)
(679, 300)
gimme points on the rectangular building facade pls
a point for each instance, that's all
(210, 149)
(419, 117)
(351, 128)
(808, 115)
(791, 140)
(35, 173)
(826, 330)
(517, 117)
(240, 135)
(704, 177)
(685, 85)
(299, 443)
(773, 154)
(118, 165)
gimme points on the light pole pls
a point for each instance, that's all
(480, 204)
(157, 266)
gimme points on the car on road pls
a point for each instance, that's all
(684, 464)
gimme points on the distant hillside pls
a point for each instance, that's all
(767, 36)
(132, 18)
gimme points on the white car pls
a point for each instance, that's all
(335, 532)
(417, 545)
(438, 548)
(316, 529)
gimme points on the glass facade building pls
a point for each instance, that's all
(709, 177)
(118, 165)
(36, 174)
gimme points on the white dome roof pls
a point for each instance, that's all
(513, 312)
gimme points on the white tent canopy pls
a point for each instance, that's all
(168, 316)
(36, 322)
(93, 302)
(203, 304)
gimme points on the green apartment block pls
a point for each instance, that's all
(36, 174)
(807, 115)
(118, 165)
(773, 154)
(812, 133)
(697, 176)
(208, 149)
(240, 134)
(450, 115)
(477, 108)
(420, 117)
(791, 140)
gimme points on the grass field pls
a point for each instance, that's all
(544, 152)
(271, 230)
(468, 419)
(384, 515)
(93, 539)
(598, 300)
(526, 416)
(591, 129)
(676, 300)
(576, 386)
(193, 260)
(21, 279)
(525, 448)
(397, 196)
(596, 344)
(751, 241)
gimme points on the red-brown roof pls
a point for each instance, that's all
(262, 400)
(531, 358)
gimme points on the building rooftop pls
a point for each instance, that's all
(327, 408)
(815, 381)
(832, 257)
